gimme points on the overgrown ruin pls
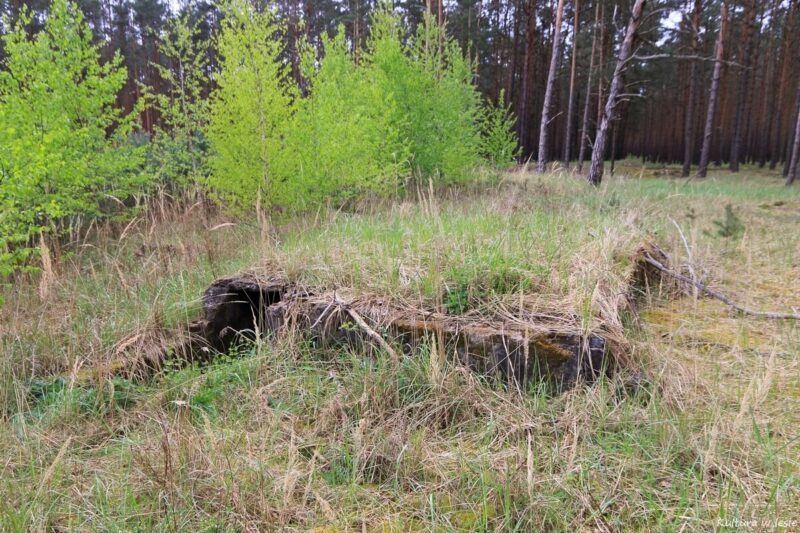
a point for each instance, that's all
(517, 347)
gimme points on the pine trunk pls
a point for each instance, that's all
(795, 155)
(688, 135)
(548, 94)
(744, 79)
(523, 129)
(584, 137)
(768, 89)
(705, 155)
(571, 104)
(793, 146)
(625, 52)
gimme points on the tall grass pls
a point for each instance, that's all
(283, 436)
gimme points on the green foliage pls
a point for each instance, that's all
(49, 395)
(178, 150)
(406, 107)
(57, 161)
(250, 109)
(432, 83)
(200, 388)
(470, 287)
(499, 142)
(345, 137)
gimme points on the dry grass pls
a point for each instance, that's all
(285, 437)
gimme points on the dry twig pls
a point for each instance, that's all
(719, 296)
(375, 336)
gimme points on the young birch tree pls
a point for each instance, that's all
(178, 147)
(58, 160)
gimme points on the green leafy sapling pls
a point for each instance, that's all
(179, 150)
(250, 109)
(58, 161)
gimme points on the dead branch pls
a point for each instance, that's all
(718, 295)
(375, 336)
(686, 57)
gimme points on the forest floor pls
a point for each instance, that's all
(282, 436)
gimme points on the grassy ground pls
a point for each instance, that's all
(283, 436)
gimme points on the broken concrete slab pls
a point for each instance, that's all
(516, 348)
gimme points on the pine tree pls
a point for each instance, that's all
(719, 51)
(548, 95)
(625, 52)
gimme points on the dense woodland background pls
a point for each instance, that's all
(511, 43)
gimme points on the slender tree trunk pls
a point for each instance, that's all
(523, 129)
(786, 51)
(440, 20)
(794, 158)
(584, 137)
(511, 86)
(705, 155)
(571, 104)
(768, 89)
(357, 32)
(625, 52)
(688, 136)
(790, 166)
(744, 79)
(601, 65)
(548, 94)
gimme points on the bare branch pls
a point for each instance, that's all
(719, 296)
(687, 57)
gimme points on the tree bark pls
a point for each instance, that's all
(523, 129)
(744, 79)
(625, 52)
(688, 135)
(705, 155)
(768, 89)
(601, 65)
(571, 104)
(794, 156)
(548, 94)
(786, 51)
(584, 137)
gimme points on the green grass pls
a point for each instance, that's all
(285, 436)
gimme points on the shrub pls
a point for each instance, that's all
(499, 141)
(432, 83)
(408, 107)
(57, 161)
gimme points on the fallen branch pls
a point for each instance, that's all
(719, 296)
(375, 336)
